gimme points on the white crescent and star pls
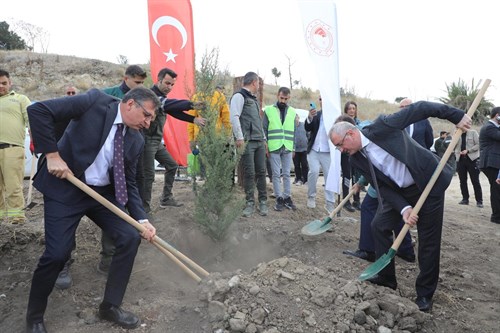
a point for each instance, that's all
(172, 21)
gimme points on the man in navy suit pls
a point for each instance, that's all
(86, 151)
(489, 162)
(402, 169)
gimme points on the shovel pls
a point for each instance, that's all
(385, 259)
(29, 203)
(317, 227)
(163, 246)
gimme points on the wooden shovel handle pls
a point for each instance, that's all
(32, 174)
(441, 165)
(342, 203)
(158, 242)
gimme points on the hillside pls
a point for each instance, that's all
(40, 76)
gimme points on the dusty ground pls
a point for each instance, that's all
(267, 276)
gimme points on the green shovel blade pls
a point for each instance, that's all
(317, 227)
(378, 265)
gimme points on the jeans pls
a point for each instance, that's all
(281, 163)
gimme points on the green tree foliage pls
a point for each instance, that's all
(9, 40)
(461, 95)
(217, 204)
(276, 74)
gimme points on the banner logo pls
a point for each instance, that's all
(319, 38)
(168, 20)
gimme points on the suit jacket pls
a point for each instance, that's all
(489, 146)
(91, 118)
(471, 144)
(388, 132)
(422, 133)
(312, 127)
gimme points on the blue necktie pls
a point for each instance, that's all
(118, 168)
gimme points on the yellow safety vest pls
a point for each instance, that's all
(280, 134)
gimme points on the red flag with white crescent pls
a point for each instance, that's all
(172, 45)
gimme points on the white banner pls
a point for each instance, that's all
(319, 19)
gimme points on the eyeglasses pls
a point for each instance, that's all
(146, 113)
(339, 145)
(70, 93)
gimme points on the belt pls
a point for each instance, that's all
(7, 145)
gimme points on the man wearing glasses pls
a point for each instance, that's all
(71, 90)
(106, 124)
(402, 169)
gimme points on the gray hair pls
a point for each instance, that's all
(340, 128)
(249, 78)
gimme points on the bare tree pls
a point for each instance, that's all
(290, 64)
(33, 35)
(122, 59)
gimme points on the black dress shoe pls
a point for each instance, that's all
(406, 257)
(365, 255)
(424, 303)
(36, 328)
(119, 316)
(356, 205)
(349, 207)
(493, 220)
(382, 281)
(464, 202)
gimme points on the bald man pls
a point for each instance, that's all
(402, 169)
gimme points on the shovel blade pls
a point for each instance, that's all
(378, 265)
(317, 227)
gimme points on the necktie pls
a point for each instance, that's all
(374, 177)
(118, 168)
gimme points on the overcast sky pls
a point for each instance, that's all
(386, 48)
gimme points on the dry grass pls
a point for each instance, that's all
(42, 76)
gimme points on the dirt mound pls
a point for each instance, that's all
(265, 277)
(285, 295)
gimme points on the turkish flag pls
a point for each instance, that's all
(172, 45)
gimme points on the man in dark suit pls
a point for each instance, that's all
(421, 132)
(489, 160)
(402, 169)
(86, 150)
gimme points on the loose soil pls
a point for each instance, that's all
(265, 277)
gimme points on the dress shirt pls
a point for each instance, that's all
(320, 144)
(97, 174)
(409, 129)
(388, 165)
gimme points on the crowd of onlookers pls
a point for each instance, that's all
(111, 138)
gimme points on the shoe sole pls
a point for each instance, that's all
(130, 326)
(64, 287)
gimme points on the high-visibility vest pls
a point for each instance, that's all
(280, 134)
